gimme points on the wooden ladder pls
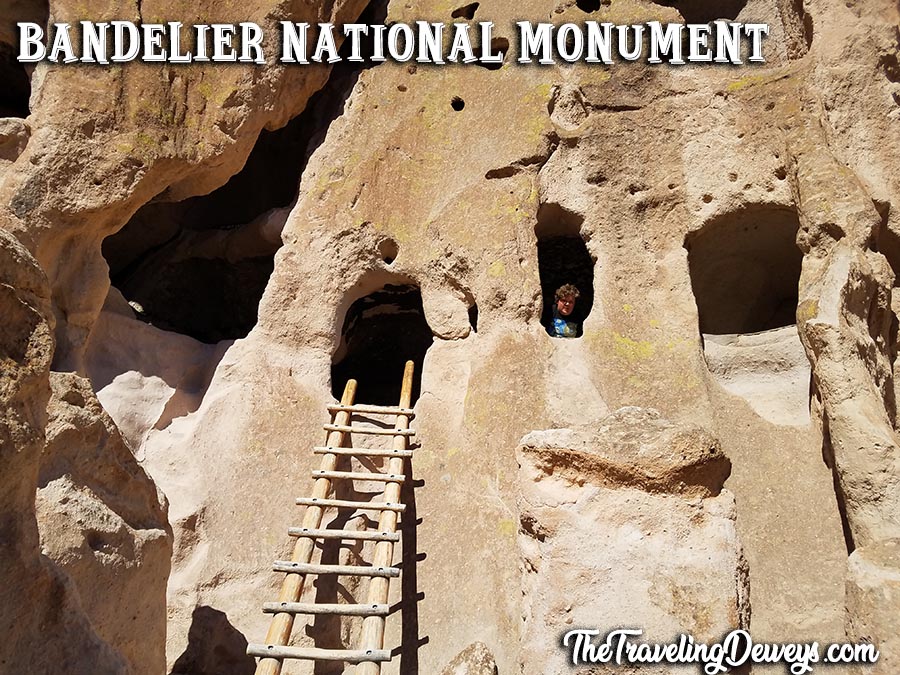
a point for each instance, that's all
(371, 653)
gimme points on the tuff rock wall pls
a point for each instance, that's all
(443, 178)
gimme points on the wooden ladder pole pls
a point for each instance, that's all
(292, 586)
(373, 626)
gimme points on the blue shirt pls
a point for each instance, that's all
(562, 328)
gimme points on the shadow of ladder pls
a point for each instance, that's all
(371, 653)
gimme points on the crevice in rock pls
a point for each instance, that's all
(473, 316)
(381, 331)
(798, 28)
(745, 270)
(200, 266)
(563, 258)
(888, 244)
(828, 458)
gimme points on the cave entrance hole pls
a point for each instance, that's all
(745, 271)
(563, 258)
(382, 331)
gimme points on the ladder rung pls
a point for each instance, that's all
(363, 452)
(339, 609)
(314, 654)
(359, 475)
(344, 534)
(350, 504)
(377, 431)
(345, 570)
(373, 409)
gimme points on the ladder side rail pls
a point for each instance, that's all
(372, 637)
(292, 587)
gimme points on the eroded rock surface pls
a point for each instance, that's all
(453, 181)
(44, 624)
(873, 602)
(627, 525)
(104, 523)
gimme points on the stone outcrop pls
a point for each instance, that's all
(44, 624)
(627, 526)
(104, 523)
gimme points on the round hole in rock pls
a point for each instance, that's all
(745, 270)
(457, 103)
(382, 331)
(388, 249)
(588, 6)
(563, 258)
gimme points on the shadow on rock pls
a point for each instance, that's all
(215, 647)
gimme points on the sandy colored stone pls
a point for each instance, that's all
(768, 370)
(602, 550)
(873, 602)
(635, 159)
(475, 659)
(104, 523)
(44, 624)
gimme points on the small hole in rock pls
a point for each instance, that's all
(588, 6)
(465, 12)
(389, 250)
(457, 103)
(473, 317)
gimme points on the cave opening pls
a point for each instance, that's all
(382, 331)
(200, 266)
(745, 271)
(15, 84)
(563, 258)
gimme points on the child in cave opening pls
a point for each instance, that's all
(563, 307)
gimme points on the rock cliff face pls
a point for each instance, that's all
(203, 254)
